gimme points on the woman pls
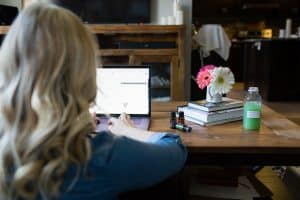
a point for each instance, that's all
(47, 82)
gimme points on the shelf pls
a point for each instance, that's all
(124, 28)
(138, 52)
(144, 33)
(160, 87)
(134, 28)
(4, 29)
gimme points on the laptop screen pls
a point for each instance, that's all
(123, 89)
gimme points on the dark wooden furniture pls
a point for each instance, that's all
(235, 61)
(273, 65)
(137, 35)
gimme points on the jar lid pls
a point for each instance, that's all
(253, 89)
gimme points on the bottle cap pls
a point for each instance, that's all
(187, 129)
(253, 89)
(173, 114)
(181, 114)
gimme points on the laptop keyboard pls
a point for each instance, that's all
(139, 122)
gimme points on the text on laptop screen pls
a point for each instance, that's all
(122, 90)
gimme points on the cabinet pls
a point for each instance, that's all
(273, 66)
(235, 60)
(141, 43)
(256, 65)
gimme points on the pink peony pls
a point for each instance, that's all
(204, 76)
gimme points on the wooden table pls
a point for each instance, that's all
(228, 146)
(276, 143)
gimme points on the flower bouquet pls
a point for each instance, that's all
(218, 80)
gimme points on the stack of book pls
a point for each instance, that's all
(206, 114)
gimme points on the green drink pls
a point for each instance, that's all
(252, 110)
(251, 119)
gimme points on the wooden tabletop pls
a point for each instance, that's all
(277, 142)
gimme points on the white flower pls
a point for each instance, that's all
(222, 80)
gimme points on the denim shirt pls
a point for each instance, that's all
(121, 164)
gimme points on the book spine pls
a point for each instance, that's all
(192, 105)
(227, 103)
(211, 116)
(196, 121)
(224, 121)
(193, 113)
(222, 115)
(201, 123)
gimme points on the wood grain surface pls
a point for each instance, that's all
(277, 135)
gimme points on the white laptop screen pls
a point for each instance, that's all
(123, 90)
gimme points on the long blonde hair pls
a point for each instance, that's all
(47, 81)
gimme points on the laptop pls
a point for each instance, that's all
(123, 89)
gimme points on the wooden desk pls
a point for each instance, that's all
(228, 146)
(277, 142)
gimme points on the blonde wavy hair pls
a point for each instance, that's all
(47, 82)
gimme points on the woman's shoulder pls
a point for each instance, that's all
(102, 138)
(103, 145)
(106, 147)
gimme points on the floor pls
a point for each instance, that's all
(292, 111)
(269, 178)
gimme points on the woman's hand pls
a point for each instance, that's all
(96, 121)
(119, 126)
(123, 126)
(95, 118)
(126, 119)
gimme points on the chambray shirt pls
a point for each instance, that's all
(120, 164)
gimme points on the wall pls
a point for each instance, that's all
(16, 3)
(187, 6)
(161, 8)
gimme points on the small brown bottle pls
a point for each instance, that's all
(180, 119)
(173, 120)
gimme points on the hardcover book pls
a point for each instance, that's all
(227, 103)
(213, 115)
(202, 123)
